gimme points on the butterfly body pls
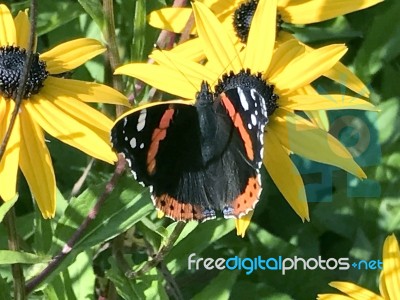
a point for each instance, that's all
(201, 158)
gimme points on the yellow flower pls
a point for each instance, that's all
(175, 19)
(288, 71)
(389, 283)
(53, 104)
(295, 12)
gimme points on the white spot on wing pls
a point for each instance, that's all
(254, 94)
(141, 146)
(142, 120)
(133, 143)
(253, 119)
(243, 99)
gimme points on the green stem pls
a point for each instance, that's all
(13, 244)
(112, 47)
(53, 265)
(160, 254)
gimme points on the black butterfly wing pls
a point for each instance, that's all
(163, 146)
(248, 111)
(197, 158)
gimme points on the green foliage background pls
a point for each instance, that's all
(127, 232)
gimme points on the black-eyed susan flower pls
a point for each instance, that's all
(389, 282)
(50, 103)
(236, 15)
(240, 13)
(288, 71)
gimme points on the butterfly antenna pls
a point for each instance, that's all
(176, 67)
(229, 65)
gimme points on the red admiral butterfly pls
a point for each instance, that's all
(201, 158)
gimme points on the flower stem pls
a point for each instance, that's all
(159, 256)
(25, 72)
(33, 283)
(13, 244)
(112, 48)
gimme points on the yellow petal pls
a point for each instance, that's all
(243, 223)
(147, 105)
(283, 55)
(325, 102)
(9, 162)
(8, 35)
(285, 174)
(160, 214)
(319, 118)
(390, 276)
(308, 67)
(80, 111)
(171, 18)
(307, 12)
(191, 50)
(261, 40)
(23, 29)
(354, 291)
(69, 130)
(224, 10)
(340, 73)
(307, 140)
(36, 165)
(72, 54)
(218, 46)
(168, 80)
(194, 72)
(84, 91)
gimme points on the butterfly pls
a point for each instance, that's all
(202, 158)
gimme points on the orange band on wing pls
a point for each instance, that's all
(178, 211)
(238, 122)
(246, 202)
(158, 135)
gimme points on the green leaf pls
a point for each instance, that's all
(338, 28)
(82, 275)
(125, 287)
(198, 240)
(377, 48)
(53, 14)
(6, 206)
(394, 160)
(60, 288)
(139, 28)
(220, 287)
(153, 284)
(387, 122)
(148, 286)
(94, 9)
(123, 208)
(43, 233)
(14, 257)
(5, 289)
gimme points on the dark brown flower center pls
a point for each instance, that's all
(242, 18)
(12, 61)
